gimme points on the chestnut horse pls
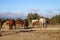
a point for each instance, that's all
(35, 22)
(22, 23)
(19, 23)
(11, 23)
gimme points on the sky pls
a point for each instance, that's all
(20, 8)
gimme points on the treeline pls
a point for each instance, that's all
(2, 19)
(56, 18)
(32, 16)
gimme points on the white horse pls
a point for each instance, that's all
(43, 22)
(5, 26)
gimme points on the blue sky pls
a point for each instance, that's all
(45, 8)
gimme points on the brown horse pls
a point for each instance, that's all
(0, 29)
(22, 23)
(0, 25)
(11, 23)
(19, 23)
(35, 22)
(50, 21)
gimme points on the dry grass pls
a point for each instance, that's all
(41, 34)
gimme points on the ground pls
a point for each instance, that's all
(50, 33)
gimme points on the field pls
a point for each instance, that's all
(50, 33)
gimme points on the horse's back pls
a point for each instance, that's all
(43, 20)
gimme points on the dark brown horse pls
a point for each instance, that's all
(26, 23)
(0, 24)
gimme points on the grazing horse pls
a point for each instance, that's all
(35, 22)
(11, 23)
(43, 22)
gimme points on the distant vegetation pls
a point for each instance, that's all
(56, 18)
(32, 16)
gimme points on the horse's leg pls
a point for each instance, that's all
(27, 26)
(42, 25)
(24, 26)
(1, 26)
(10, 27)
(19, 26)
(45, 25)
(33, 25)
(15, 27)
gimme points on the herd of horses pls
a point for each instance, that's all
(12, 22)
(24, 23)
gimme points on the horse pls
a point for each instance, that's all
(11, 23)
(43, 22)
(35, 22)
(26, 23)
(0, 25)
(22, 23)
(19, 23)
(51, 21)
(5, 25)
